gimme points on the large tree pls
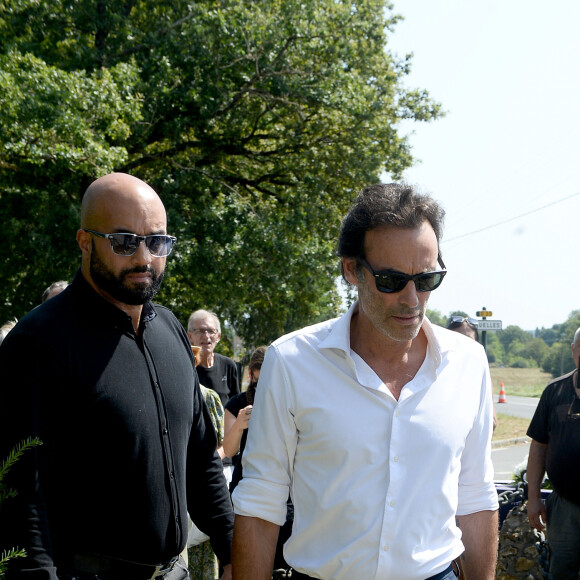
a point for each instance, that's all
(257, 122)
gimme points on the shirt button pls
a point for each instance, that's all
(392, 503)
(386, 547)
(396, 458)
(397, 413)
(165, 431)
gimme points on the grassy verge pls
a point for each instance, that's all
(509, 427)
(520, 382)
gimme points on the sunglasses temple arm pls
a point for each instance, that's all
(441, 262)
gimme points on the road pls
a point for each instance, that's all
(517, 406)
(506, 458)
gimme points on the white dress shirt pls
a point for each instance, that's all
(376, 483)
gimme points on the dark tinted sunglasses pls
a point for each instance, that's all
(126, 244)
(461, 319)
(390, 281)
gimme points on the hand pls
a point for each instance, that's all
(537, 513)
(243, 418)
(227, 575)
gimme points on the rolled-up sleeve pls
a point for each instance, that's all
(269, 454)
(476, 486)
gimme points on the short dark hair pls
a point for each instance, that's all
(464, 324)
(393, 204)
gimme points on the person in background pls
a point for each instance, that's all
(379, 422)
(555, 449)
(6, 328)
(106, 380)
(237, 416)
(469, 327)
(216, 371)
(202, 561)
(54, 289)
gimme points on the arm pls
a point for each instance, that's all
(24, 518)
(535, 475)
(254, 548)
(234, 428)
(479, 536)
(208, 498)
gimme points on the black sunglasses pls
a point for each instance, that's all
(461, 319)
(125, 244)
(570, 415)
(390, 281)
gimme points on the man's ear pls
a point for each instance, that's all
(349, 267)
(84, 241)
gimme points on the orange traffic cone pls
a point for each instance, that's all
(502, 398)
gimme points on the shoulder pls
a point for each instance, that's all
(236, 403)
(449, 341)
(46, 321)
(558, 386)
(165, 314)
(304, 338)
(210, 396)
(224, 361)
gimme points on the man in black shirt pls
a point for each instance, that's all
(555, 448)
(216, 371)
(107, 381)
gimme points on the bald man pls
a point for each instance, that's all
(555, 449)
(106, 380)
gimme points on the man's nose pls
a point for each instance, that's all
(142, 255)
(409, 295)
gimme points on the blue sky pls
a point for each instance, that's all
(505, 161)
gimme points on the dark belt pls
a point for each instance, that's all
(108, 567)
(299, 576)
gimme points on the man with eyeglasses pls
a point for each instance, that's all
(216, 371)
(555, 449)
(106, 380)
(378, 422)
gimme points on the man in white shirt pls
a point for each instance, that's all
(378, 423)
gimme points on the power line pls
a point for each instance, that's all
(512, 218)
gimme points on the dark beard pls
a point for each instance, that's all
(115, 286)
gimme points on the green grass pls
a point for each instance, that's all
(519, 382)
(509, 427)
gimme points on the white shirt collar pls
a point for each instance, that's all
(339, 336)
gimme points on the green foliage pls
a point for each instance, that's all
(5, 466)
(494, 349)
(436, 317)
(257, 122)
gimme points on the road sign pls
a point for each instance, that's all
(489, 324)
(484, 313)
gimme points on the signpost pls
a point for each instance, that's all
(489, 325)
(485, 325)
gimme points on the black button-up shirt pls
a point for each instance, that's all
(128, 444)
